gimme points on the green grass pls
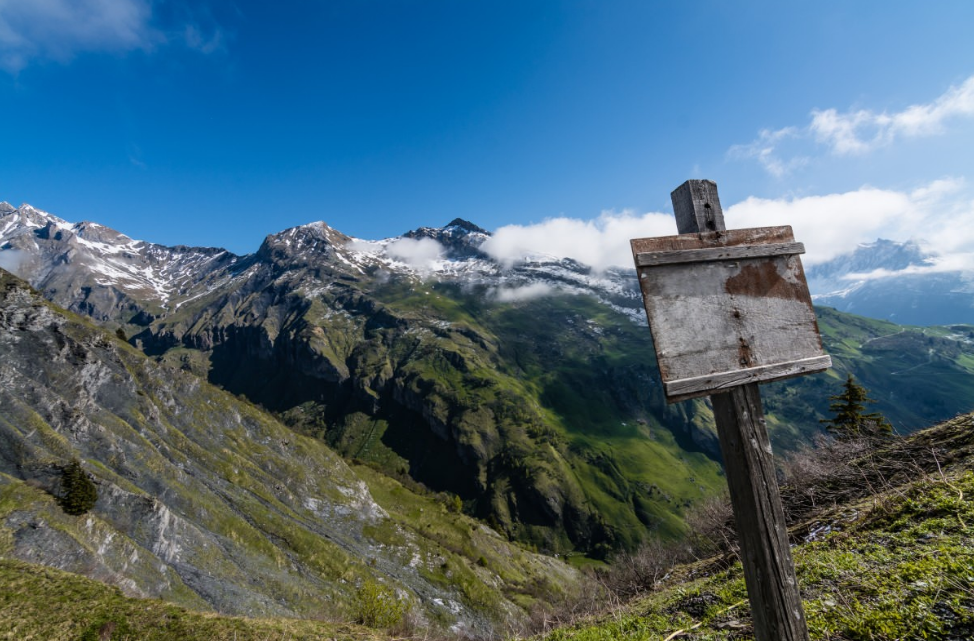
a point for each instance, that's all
(44, 604)
(896, 565)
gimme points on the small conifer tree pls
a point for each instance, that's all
(850, 418)
(78, 491)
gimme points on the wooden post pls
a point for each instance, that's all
(769, 571)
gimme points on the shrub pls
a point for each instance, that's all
(379, 606)
(78, 492)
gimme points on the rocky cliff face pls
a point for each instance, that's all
(202, 499)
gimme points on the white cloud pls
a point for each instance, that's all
(962, 262)
(763, 150)
(525, 292)
(860, 131)
(10, 260)
(829, 225)
(835, 224)
(194, 38)
(600, 243)
(60, 29)
(418, 253)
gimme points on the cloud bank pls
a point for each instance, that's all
(858, 132)
(835, 224)
(829, 226)
(600, 243)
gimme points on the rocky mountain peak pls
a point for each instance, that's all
(302, 245)
(461, 238)
(466, 225)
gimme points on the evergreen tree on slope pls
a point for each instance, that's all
(850, 418)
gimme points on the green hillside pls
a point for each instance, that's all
(207, 501)
(917, 375)
(39, 603)
(885, 559)
(545, 416)
(888, 558)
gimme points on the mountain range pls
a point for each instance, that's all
(528, 390)
(896, 281)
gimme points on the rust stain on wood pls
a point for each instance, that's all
(744, 317)
(762, 279)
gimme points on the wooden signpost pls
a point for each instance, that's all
(729, 309)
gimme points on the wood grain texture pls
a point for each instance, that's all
(714, 239)
(686, 388)
(697, 207)
(651, 259)
(712, 318)
(769, 571)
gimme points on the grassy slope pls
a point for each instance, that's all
(43, 604)
(896, 565)
(917, 375)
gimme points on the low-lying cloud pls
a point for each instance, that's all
(600, 243)
(525, 292)
(10, 260)
(830, 225)
(418, 253)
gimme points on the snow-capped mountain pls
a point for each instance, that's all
(103, 273)
(100, 272)
(897, 281)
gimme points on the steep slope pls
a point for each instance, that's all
(96, 611)
(423, 377)
(884, 557)
(207, 501)
(529, 390)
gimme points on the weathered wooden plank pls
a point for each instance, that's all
(651, 259)
(729, 315)
(686, 388)
(725, 238)
(697, 207)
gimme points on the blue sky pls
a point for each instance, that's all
(563, 124)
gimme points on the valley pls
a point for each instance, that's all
(333, 411)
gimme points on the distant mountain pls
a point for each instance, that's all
(528, 390)
(894, 281)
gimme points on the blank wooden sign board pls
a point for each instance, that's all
(729, 309)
